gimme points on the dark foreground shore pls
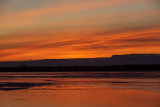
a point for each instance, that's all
(81, 68)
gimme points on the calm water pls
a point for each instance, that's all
(83, 89)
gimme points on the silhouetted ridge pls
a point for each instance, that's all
(132, 59)
(129, 59)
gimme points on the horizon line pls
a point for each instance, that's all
(83, 58)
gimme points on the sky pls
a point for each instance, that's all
(62, 29)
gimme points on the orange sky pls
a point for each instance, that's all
(45, 29)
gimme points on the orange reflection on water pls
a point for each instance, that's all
(42, 90)
(81, 98)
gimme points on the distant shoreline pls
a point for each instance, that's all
(81, 68)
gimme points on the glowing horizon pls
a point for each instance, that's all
(62, 29)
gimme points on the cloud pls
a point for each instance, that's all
(77, 29)
(83, 47)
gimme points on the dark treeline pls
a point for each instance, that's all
(81, 68)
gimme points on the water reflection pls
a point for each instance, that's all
(84, 89)
(6, 86)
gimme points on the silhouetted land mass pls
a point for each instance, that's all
(131, 59)
(82, 68)
(129, 62)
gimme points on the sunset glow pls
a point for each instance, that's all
(56, 29)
